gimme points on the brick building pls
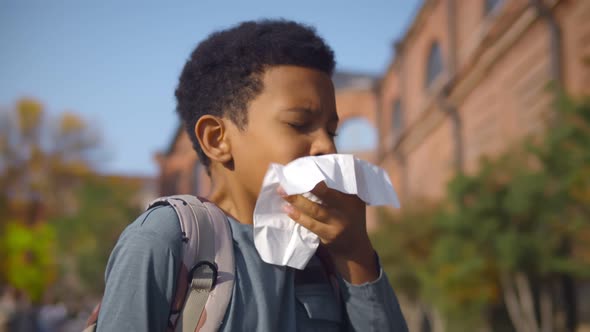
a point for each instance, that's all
(469, 78)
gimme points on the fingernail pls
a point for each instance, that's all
(281, 191)
(288, 208)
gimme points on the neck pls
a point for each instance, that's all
(232, 199)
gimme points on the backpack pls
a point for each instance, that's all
(206, 273)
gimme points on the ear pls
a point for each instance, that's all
(213, 137)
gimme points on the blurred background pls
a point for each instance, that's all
(477, 109)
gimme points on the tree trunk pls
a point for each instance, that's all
(519, 301)
(512, 305)
(412, 310)
(546, 303)
(527, 301)
(436, 320)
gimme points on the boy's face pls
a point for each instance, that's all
(294, 116)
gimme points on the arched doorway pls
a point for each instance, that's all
(356, 134)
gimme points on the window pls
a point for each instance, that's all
(397, 118)
(435, 64)
(490, 5)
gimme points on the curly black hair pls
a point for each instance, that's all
(224, 72)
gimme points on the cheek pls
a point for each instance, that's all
(280, 145)
(256, 150)
(285, 151)
(253, 154)
(275, 151)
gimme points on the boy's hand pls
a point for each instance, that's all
(340, 223)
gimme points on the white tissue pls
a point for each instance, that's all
(281, 241)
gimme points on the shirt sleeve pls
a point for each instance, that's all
(141, 274)
(372, 306)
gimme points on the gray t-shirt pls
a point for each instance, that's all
(141, 275)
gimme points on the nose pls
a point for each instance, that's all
(323, 143)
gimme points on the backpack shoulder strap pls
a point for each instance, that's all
(206, 276)
(220, 296)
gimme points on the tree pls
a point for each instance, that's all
(42, 161)
(59, 217)
(443, 282)
(42, 158)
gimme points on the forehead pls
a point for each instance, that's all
(300, 85)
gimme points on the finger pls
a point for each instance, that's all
(283, 194)
(323, 192)
(314, 226)
(334, 198)
(312, 209)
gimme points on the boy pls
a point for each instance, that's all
(257, 93)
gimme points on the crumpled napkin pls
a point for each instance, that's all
(281, 241)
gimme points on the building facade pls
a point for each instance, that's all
(469, 79)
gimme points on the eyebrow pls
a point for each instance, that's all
(302, 109)
(310, 111)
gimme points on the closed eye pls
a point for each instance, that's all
(302, 127)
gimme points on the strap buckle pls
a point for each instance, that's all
(199, 276)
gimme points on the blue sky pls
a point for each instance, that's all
(116, 62)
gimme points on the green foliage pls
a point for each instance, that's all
(424, 253)
(404, 246)
(30, 257)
